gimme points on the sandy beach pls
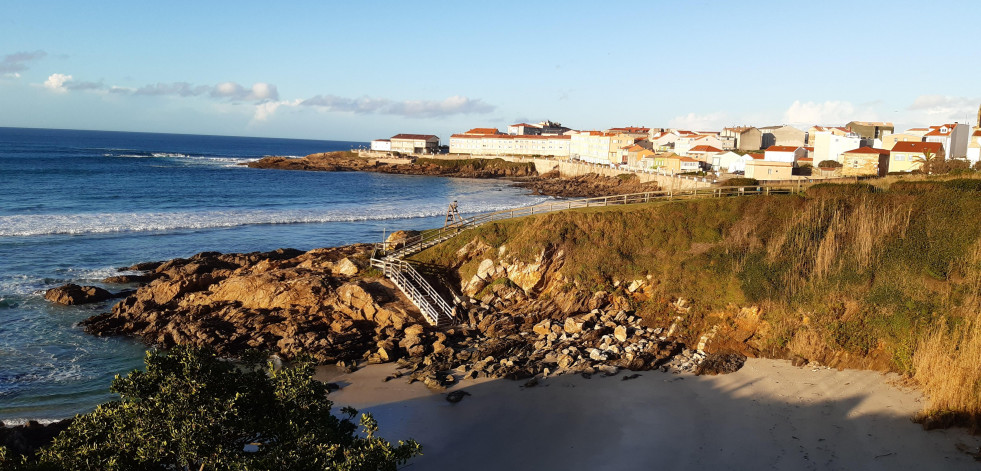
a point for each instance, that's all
(768, 415)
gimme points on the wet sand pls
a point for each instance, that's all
(768, 415)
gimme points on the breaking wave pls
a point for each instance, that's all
(100, 223)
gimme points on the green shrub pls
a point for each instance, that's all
(190, 410)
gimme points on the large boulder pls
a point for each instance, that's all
(72, 294)
(397, 239)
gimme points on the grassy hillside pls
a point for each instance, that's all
(848, 275)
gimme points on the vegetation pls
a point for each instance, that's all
(192, 411)
(829, 164)
(739, 181)
(884, 276)
(477, 164)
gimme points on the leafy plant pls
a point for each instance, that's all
(192, 411)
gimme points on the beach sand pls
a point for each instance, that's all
(768, 415)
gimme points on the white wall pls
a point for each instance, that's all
(827, 146)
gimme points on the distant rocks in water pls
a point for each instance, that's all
(72, 294)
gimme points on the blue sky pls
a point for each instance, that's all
(364, 70)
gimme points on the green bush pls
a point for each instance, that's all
(190, 410)
(829, 164)
(840, 189)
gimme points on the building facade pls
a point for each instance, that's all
(865, 162)
(415, 143)
(907, 156)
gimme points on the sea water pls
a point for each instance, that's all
(76, 205)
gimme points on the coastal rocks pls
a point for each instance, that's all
(273, 301)
(350, 161)
(397, 239)
(72, 294)
(589, 185)
(24, 440)
(721, 363)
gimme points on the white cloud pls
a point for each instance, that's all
(699, 122)
(409, 108)
(11, 75)
(935, 109)
(57, 82)
(266, 109)
(260, 91)
(826, 113)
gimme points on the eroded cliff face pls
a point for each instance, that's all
(505, 282)
(286, 302)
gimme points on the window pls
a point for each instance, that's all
(855, 163)
(900, 157)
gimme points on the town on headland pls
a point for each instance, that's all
(767, 153)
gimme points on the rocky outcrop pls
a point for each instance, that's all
(286, 302)
(586, 186)
(349, 161)
(72, 294)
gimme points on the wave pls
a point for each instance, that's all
(101, 223)
(184, 158)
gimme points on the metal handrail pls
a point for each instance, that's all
(403, 274)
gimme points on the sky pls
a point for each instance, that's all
(362, 70)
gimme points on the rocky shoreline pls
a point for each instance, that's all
(524, 175)
(328, 304)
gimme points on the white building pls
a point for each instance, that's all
(954, 138)
(685, 143)
(829, 146)
(505, 144)
(974, 147)
(381, 145)
(789, 154)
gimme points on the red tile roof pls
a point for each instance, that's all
(918, 147)
(483, 131)
(525, 125)
(703, 148)
(782, 148)
(867, 150)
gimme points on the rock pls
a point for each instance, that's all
(720, 363)
(486, 269)
(543, 328)
(620, 333)
(72, 294)
(565, 361)
(629, 377)
(397, 239)
(345, 267)
(456, 396)
(572, 326)
(596, 355)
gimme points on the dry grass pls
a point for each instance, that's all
(946, 364)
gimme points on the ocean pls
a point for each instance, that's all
(76, 205)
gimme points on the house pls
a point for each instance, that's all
(834, 130)
(644, 158)
(769, 170)
(907, 156)
(681, 164)
(684, 144)
(890, 140)
(865, 161)
(790, 154)
(974, 147)
(725, 161)
(597, 147)
(506, 144)
(954, 138)
(828, 146)
(415, 143)
(871, 130)
(381, 145)
(782, 136)
(704, 153)
(525, 129)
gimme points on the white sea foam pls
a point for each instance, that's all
(98, 223)
(15, 422)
